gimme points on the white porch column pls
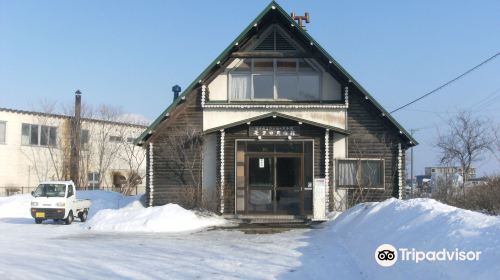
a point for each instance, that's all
(327, 169)
(222, 179)
(150, 174)
(400, 172)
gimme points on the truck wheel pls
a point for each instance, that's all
(38, 221)
(83, 216)
(69, 219)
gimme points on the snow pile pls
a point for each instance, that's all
(105, 200)
(167, 218)
(346, 246)
(16, 206)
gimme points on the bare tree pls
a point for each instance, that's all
(183, 150)
(106, 139)
(467, 140)
(496, 141)
(134, 157)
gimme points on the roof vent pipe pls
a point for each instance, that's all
(176, 89)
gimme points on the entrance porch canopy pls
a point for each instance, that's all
(278, 115)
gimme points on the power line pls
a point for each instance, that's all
(448, 83)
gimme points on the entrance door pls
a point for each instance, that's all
(288, 186)
(260, 186)
(275, 184)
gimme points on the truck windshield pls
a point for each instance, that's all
(50, 190)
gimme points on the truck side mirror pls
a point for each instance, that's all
(32, 193)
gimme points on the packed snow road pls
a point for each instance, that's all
(123, 240)
(50, 251)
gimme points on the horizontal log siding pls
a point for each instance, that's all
(241, 132)
(166, 187)
(373, 136)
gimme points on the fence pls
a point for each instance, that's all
(10, 190)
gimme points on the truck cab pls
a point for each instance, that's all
(57, 200)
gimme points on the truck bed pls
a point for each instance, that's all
(82, 204)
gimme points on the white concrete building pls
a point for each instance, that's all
(36, 146)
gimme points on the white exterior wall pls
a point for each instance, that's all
(218, 91)
(339, 202)
(219, 117)
(26, 165)
(17, 166)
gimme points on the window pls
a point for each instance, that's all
(360, 172)
(70, 191)
(93, 179)
(84, 139)
(3, 126)
(50, 190)
(47, 135)
(117, 139)
(281, 79)
(33, 134)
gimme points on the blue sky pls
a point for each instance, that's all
(130, 53)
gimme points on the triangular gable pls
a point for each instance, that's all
(335, 67)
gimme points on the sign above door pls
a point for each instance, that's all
(274, 131)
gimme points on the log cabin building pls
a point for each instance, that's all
(274, 128)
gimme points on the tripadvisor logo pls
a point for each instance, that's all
(387, 255)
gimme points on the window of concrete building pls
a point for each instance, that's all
(93, 180)
(84, 139)
(116, 139)
(3, 128)
(38, 135)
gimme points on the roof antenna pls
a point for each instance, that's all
(299, 19)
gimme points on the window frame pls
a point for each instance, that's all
(4, 140)
(96, 177)
(115, 139)
(84, 141)
(39, 132)
(274, 73)
(381, 186)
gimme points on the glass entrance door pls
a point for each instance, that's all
(260, 184)
(288, 187)
(275, 184)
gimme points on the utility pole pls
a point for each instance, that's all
(413, 130)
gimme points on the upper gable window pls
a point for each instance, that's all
(274, 79)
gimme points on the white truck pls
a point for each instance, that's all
(57, 200)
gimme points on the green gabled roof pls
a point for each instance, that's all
(272, 6)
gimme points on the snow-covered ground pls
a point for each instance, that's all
(122, 240)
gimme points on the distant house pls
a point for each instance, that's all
(36, 146)
(449, 175)
(429, 171)
(285, 130)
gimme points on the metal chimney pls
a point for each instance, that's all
(176, 89)
(75, 140)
